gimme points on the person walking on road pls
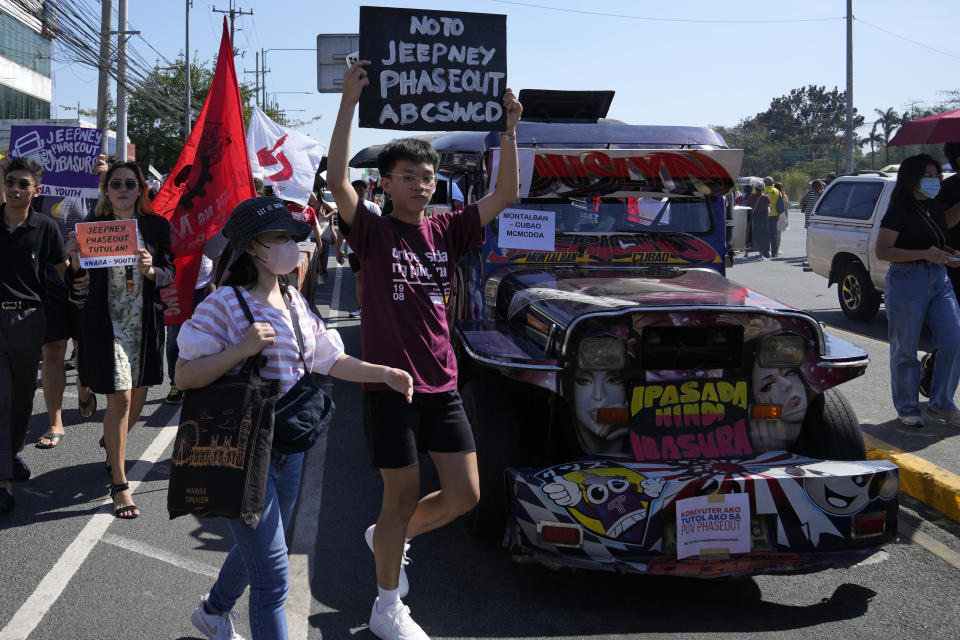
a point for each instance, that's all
(773, 216)
(809, 199)
(913, 238)
(759, 204)
(121, 346)
(405, 325)
(29, 241)
(217, 340)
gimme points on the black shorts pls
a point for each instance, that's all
(63, 320)
(396, 431)
(354, 262)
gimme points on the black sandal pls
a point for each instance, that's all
(126, 512)
(88, 408)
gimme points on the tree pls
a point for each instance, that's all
(155, 120)
(888, 121)
(875, 137)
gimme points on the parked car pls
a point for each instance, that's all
(842, 237)
(635, 410)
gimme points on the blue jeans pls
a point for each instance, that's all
(919, 292)
(259, 557)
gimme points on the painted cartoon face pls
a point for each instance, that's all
(608, 501)
(839, 496)
(782, 386)
(593, 390)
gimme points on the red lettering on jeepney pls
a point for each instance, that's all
(596, 164)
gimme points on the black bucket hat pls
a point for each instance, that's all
(254, 216)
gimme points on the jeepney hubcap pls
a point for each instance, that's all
(850, 288)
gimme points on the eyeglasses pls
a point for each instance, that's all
(412, 179)
(22, 183)
(129, 185)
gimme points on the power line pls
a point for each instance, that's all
(897, 35)
(658, 19)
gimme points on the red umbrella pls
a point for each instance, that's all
(942, 127)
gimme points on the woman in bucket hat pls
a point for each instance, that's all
(216, 340)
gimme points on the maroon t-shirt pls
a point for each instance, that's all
(404, 321)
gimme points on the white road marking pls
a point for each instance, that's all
(162, 555)
(29, 615)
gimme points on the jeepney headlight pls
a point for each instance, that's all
(601, 353)
(782, 351)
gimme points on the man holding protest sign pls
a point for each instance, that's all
(407, 261)
(29, 241)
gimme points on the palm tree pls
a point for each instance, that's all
(874, 138)
(888, 121)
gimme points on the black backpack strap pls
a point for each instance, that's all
(253, 363)
(423, 258)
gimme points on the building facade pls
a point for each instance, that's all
(26, 52)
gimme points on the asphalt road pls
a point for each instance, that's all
(70, 570)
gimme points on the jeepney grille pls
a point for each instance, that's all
(719, 347)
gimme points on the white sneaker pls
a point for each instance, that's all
(215, 627)
(910, 420)
(404, 584)
(950, 416)
(355, 313)
(395, 623)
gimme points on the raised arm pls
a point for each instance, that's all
(338, 172)
(508, 177)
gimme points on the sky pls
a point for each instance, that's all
(684, 62)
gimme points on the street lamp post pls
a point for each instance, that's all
(277, 93)
(263, 61)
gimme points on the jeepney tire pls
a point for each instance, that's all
(831, 430)
(490, 409)
(858, 298)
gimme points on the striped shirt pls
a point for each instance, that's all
(219, 322)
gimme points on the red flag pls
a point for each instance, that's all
(211, 176)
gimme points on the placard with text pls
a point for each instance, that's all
(111, 243)
(433, 70)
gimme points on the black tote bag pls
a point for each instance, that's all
(221, 455)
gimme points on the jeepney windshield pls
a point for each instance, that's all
(604, 215)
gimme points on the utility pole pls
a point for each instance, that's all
(122, 34)
(848, 146)
(233, 16)
(256, 78)
(264, 70)
(103, 78)
(186, 73)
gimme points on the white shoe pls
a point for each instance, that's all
(404, 585)
(355, 313)
(215, 627)
(395, 623)
(910, 420)
(950, 416)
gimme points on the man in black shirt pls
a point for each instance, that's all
(29, 241)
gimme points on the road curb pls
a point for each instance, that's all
(932, 485)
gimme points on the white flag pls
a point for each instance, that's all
(282, 157)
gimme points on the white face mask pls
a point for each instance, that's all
(282, 257)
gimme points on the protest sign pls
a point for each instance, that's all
(67, 155)
(527, 229)
(433, 70)
(111, 243)
(713, 524)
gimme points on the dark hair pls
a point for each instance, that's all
(747, 189)
(29, 165)
(413, 149)
(360, 186)
(952, 150)
(105, 207)
(909, 175)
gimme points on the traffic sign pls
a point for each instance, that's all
(793, 155)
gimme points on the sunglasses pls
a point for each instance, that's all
(22, 183)
(129, 185)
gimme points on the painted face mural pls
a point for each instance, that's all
(595, 390)
(612, 502)
(781, 386)
(846, 495)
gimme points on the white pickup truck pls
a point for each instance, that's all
(842, 236)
